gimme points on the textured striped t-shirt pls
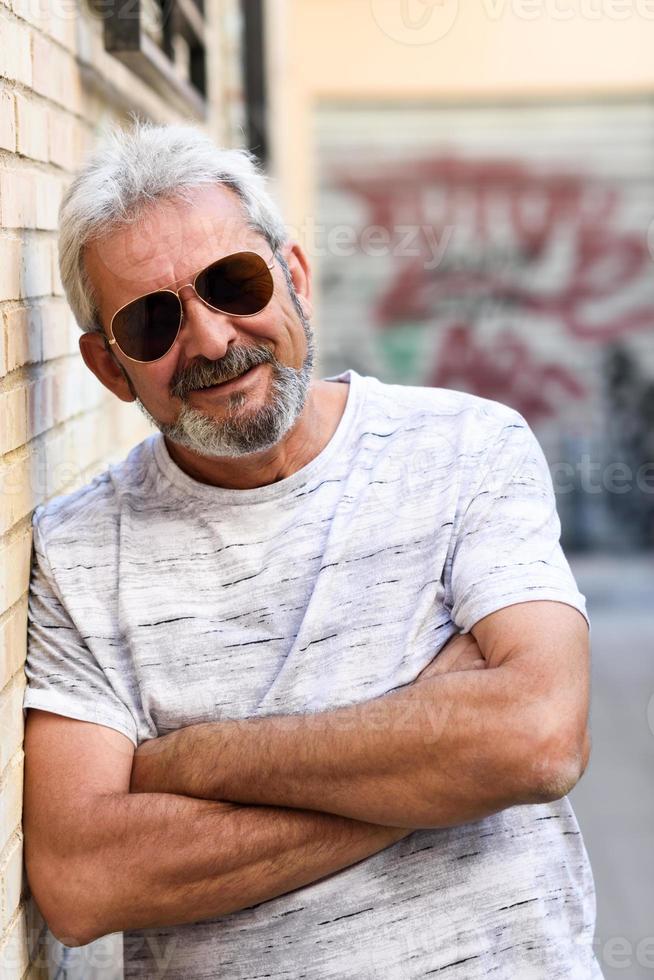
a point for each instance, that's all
(158, 602)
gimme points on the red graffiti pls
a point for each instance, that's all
(589, 294)
(504, 371)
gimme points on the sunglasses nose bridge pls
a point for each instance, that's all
(194, 295)
(187, 285)
(204, 330)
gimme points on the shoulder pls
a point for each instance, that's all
(458, 415)
(87, 512)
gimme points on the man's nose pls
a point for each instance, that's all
(204, 331)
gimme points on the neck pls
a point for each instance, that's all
(314, 428)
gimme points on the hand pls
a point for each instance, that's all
(461, 652)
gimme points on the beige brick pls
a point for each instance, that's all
(11, 718)
(14, 959)
(18, 497)
(55, 74)
(55, 396)
(10, 249)
(11, 880)
(13, 419)
(31, 475)
(38, 13)
(35, 267)
(23, 333)
(67, 455)
(67, 397)
(15, 62)
(85, 143)
(7, 121)
(11, 802)
(43, 66)
(40, 405)
(17, 199)
(34, 12)
(53, 444)
(13, 641)
(15, 555)
(31, 128)
(48, 196)
(59, 330)
(57, 287)
(62, 149)
(76, 390)
(64, 17)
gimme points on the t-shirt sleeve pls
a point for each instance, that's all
(507, 544)
(63, 676)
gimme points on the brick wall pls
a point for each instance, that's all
(58, 425)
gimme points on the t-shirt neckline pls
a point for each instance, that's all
(273, 491)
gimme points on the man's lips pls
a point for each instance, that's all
(224, 386)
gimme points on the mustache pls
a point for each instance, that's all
(203, 372)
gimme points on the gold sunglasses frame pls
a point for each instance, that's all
(191, 282)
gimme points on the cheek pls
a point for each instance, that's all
(283, 327)
(160, 378)
(153, 382)
(273, 328)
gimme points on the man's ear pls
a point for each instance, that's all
(300, 269)
(99, 358)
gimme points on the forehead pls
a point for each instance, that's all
(170, 240)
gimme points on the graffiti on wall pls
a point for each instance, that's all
(507, 279)
(522, 246)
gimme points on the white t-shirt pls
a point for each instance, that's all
(158, 602)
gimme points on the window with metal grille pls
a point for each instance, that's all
(164, 43)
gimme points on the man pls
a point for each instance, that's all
(308, 671)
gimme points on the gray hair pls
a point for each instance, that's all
(135, 167)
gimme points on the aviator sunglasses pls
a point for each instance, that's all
(238, 285)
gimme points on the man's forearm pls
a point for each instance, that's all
(158, 859)
(439, 752)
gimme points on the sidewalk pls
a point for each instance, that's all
(614, 801)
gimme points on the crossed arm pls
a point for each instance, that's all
(454, 746)
(458, 743)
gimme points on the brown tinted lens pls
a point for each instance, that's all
(146, 329)
(239, 284)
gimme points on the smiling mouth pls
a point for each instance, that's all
(217, 384)
(226, 381)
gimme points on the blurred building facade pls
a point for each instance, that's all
(475, 186)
